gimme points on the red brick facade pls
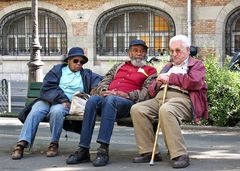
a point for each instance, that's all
(197, 3)
(204, 26)
(89, 4)
(210, 2)
(77, 4)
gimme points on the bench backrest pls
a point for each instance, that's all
(33, 91)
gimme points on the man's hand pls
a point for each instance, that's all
(66, 105)
(158, 83)
(162, 78)
(107, 93)
(116, 93)
(122, 94)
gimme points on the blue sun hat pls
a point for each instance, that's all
(76, 51)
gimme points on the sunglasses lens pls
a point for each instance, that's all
(82, 62)
(76, 61)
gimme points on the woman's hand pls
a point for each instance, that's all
(66, 105)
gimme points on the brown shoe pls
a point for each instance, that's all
(17, 152)
(52, 149)
(146, 157)
(181, 161)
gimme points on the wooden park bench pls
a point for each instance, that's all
(72, 122)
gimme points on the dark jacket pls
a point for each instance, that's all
(194, 82)
(52, 93)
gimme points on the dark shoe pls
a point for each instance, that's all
(52, 149)
(146, 157)
(18, 150)
(80, 156)
(181, 161)
(102, 157)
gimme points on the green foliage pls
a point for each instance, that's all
(159, 64)
(223, 94)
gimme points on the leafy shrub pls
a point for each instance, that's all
(223, 94)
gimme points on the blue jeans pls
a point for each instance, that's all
(109, 108)
(56, 114)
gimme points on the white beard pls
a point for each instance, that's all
(138, 62)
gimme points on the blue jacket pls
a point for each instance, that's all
(52, 93)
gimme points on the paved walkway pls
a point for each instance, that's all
(210, 148)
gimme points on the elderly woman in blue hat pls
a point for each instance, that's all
(59, 85)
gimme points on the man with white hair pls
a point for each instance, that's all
(185, 100)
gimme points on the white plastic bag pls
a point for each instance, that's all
(78, 103)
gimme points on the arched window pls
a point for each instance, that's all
(232, 35)
(117, 28)
(16, 33)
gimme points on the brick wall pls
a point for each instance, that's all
(65, 4)
(176, 3)
(203, 26)
(89, 4)
(200, 27)
(77, 4)
(6, 3)
(205, 52)
(210, 2)
(183, 3)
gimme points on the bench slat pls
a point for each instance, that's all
(35, 86)
(33, 93)
(74, 117)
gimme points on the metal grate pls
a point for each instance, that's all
(4, 97)
(117, 28)
(232, 34)
(16, 33)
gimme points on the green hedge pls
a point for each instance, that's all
(223, 94)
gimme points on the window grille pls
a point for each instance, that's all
(117, 28)
(16, 33)
(232, 34)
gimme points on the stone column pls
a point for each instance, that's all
(35, 64)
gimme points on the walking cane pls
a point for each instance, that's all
(158, 128)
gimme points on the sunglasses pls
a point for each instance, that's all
(76, 61)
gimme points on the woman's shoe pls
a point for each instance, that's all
(17, 152)
(52, 149)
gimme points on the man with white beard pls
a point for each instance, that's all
(124, 84)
